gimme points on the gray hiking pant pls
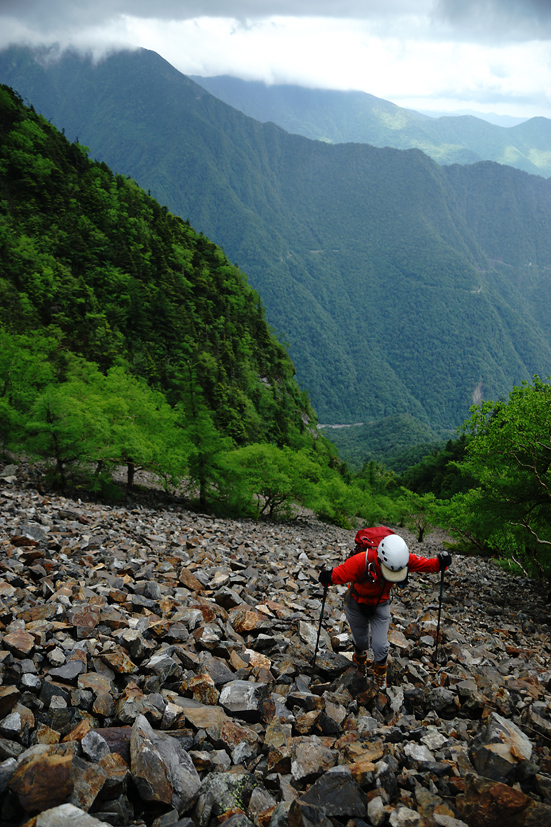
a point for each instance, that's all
(361, 617)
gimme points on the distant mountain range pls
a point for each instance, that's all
(341, 117)
(491, 117)
(400, 286)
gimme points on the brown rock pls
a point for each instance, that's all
(97, 683)
(232, 734)
(203, 689)
(103, 705)
(9, 695)
(244, 619)
(46, 735)
(20, 642)
(88, 780)
(42, 781)
(488, 803)
(86, 616)
(119, 662)
(117, 774)
(189, 580)
(79, 731)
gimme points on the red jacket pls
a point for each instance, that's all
(354, 569)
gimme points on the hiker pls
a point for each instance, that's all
(380, 561)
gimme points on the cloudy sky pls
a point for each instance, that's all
(486, 55)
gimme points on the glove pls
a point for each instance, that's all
(325, 577)
(445, 559)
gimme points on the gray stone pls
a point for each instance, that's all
(94, 746)
(242, 699)
(310, 758)
(337, 794)
(221, 792)
(161, 768)
(501, 751)
(67, 815)
(69, 671)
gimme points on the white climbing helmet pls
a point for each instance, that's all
(393, 556)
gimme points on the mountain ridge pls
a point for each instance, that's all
(359, 117)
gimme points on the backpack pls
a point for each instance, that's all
(370, 537)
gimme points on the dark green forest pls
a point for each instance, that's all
(399, 286)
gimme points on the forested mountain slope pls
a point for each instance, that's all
(341, 117)
(400, 285)
(89, 259)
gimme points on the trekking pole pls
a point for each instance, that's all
(319, 627)
(435, 659)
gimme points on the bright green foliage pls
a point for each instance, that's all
(336, 502)
(66, 424)
(25, 369)
(96, 420)
(509, 456)
(207, 447)
(270, 480)
(142, 428)
(420, 512)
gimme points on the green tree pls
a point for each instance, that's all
(67, 425)
(509, 456)
(26, 367)
(420, 512)
(142, 428)
(272, 480)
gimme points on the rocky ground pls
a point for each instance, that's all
(156, 669)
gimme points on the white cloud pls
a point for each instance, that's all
(441, 54)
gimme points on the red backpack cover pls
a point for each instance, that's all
(370, 537)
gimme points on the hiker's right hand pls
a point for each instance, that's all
(445, 559)
(325, 577)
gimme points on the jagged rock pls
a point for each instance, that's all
(310, 758)
(493, 804)
(337, 794)
(67, 815)
(42, 779)
(243, 699)
(404, 817)
(161, 769)
(501, 751)
(302, 814)
(220, 792)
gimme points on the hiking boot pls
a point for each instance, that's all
(359, 659)
(379, 675)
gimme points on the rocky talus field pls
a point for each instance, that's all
(156, 671)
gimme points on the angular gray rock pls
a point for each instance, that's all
(161, 768)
